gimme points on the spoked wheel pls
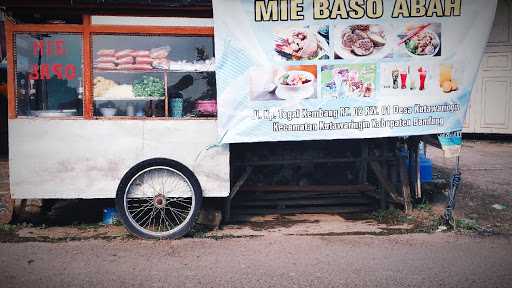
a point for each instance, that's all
(159, 198)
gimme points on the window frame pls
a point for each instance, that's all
(86, 30)
(15, 71)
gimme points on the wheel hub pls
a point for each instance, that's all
(159, 201)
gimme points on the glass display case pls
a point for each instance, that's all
(153, 76)
(48, 74)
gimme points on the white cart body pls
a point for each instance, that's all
(63, 159)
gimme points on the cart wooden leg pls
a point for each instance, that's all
(383, 199)
(405, 186)
(363, 164)
(385, 186)
(234, 190)
(414, 167)
(394, 172)
(6, 207)
(388, 191)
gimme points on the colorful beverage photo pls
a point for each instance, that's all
(348, 80)
(411, 78)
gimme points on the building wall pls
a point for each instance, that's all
(491, 102)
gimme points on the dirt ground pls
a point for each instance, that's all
(486, 181)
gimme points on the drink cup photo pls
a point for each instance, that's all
(403, 79)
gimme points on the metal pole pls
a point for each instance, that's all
(454, 185)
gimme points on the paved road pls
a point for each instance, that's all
(437, 260)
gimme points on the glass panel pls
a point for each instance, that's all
(129, 94)
(140, 75)
(197, 91)
(49, 74)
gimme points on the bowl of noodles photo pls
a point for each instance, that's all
(421, 40)
(361, 41)
(296, 84)
(295, 44)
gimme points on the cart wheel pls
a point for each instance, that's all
(159, 199)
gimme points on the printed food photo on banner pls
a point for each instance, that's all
(361, 40)
(450, 77)
(283, 83)
(407, 79)
(348, 80)
(301, 43)
(419, 39)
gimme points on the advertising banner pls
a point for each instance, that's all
(327, 69)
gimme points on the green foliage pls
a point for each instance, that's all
(8, 228)
(391, 216)
(466, 225)
(86, 226)
(427, 207)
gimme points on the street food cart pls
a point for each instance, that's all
(93, 116)
(125, 107)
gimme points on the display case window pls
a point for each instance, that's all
(153, 76)
(48, 74)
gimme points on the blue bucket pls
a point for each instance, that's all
(109, 216)
(425, 170)
(425, 166)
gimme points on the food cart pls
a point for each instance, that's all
(125, 107)
(91, 117)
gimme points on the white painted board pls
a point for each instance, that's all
(51, 158)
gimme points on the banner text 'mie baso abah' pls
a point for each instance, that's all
(285, 10)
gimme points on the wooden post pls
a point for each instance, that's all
(87, 77)
(414, 166)
(418, 176)
(234, 191)
(394, 166)
(383, 201)
(6, 207)
(385, 184)
(363, 163)
(11, 70)
(406, 189)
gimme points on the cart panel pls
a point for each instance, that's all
(51, 158)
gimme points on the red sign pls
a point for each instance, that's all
(52, 48)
